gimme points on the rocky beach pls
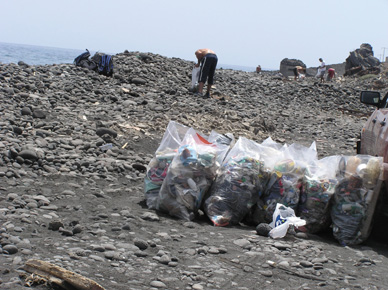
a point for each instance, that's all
(74, 147)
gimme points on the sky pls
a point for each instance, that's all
(243, 33)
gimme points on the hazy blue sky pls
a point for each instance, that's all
(245, 32)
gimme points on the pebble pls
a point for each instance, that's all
(164, 259)
(158, 284)
(263, 229)
(141, 244)
(284, 264)
(266, 273)
(213, 250)
(96, 258)
(243, 243)
(306, 264)
(10, 249)
(281, 246)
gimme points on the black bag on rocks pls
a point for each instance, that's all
(83, 61)
(104, 63)
(100, 62)
(81, 57)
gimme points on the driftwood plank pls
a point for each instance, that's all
(70, 279)
(48, 279)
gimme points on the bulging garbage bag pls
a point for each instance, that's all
(159, 164)
(190, 175)
(286, 178)
(317, 191)
(238, 186)
(355, 198)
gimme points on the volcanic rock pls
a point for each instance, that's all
(362, 59)
(287, 66)
(72, 183)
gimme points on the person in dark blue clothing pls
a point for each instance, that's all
(207, 60)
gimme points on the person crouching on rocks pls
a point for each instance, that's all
(298, 70)
(207, 60)
(330, 74)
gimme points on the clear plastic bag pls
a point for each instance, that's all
(355, 198)
(194, 77)
(222, 139)
(159, 164)
(318, 189)
(238, 185)
(285, 182)
(189, 176)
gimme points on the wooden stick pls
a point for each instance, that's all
(302, 275)
(70, 280)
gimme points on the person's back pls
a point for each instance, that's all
(330, 73)
(200, 53)
(207, 61)
(298, 70)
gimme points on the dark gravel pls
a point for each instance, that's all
(74, 146)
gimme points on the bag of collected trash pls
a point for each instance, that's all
(194, 78)
(190, 175)
(270, 153)
(283, 218)
(238, 186)
(355, 198)
(318, 73)
(226, 139)
(318, 189)
(286, 178)
(159, 164)
(222, 139)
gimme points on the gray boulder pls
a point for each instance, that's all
(361, 59)
(287, 66)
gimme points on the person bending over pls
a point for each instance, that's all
(297, 71)
(330, 74)
(207, 60)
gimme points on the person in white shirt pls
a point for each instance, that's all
(321, 70)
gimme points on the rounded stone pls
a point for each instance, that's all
(10, 249)
(106, 131)
(39, 114)
(263, 229)
(158, 284)
(26, 111)
(28, 154)
(141, 244)
(55, 225)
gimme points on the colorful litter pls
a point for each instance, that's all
(244, 181)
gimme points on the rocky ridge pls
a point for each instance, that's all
(74, 146)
